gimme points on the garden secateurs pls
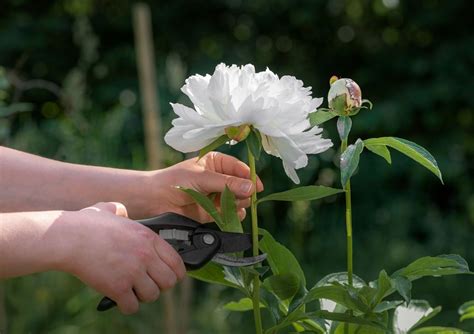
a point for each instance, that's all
(197, 244)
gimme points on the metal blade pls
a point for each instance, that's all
(232, 261)
(234, 242)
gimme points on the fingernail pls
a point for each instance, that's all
(246, 186)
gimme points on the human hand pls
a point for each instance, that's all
(207, 175)
(118, 257)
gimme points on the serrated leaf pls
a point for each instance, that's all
(230, 217)
(244, 304)
(206, 204)
(350, 160)
(411, 150)
(285, 286)
(380, 150)
(320, 116)
(344, 125)
(254, 143)
(466, 310)
(437, 330)
(306, 193)
(281, 260)
(212, 146)
(407, 317)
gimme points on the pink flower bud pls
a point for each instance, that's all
(348, 88)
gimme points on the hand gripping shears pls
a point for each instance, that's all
(197, 244)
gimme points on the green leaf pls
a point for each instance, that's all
(344, 317)
(387, 305)
(230, 217)
(339, 104)
(344, 125)
(254, 143)
(306, 193)
(411, 150)
(212, 146)
(380, 150)
(466, 310)
(350, 160)
(281, 260)
(244, 304)
(440, 265)
(320, 116)
(285, 286)
(272, 303)
(407, 317)
(437, 330)
(206, 204)
(383, 286)
(339, 294)
(287, 321)
(403, 286)
(212, 273)
(347, 328)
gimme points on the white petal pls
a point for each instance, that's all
(176, 138)
(290, 171)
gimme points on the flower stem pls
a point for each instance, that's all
(347, 188)
(256, 279)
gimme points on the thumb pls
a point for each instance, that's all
(114, 207)
(212, 182)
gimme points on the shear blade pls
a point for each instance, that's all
(232, 261)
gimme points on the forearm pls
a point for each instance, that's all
(30, 242)
(32, 183)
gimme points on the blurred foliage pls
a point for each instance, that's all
(69, 91)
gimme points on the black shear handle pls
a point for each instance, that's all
(194, 257)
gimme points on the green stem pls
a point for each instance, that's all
(347, 188)
(256, 279)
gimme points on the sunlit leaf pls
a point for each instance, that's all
(350, 160)
(466, 310)
(244, 304)
(437, 330)
(212, 146)
(206, 204)
(230, 217)
(387, 305)
(411, 150)
(306, 193)
(407, 317)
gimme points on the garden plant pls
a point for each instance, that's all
(279, 116)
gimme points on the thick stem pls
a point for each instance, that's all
(347, 188)
(256, 279)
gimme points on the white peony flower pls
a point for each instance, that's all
(233, 96)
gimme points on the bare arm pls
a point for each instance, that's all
(114, 255)
(32, 183)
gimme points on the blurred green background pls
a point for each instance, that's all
(69, 91)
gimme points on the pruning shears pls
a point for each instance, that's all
(197, 244)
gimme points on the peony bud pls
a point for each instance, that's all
(348, 88)
(238, 133)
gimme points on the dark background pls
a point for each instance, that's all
(413, 59)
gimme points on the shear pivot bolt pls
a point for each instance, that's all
(208, 239)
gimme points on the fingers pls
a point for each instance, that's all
(229, 165)
(170, 257)
(113, 207)
(127, 302)
(210, 182)
(146, 288)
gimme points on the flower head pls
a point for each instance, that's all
(347, 88)
(234, 98)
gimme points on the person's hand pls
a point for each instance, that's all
(118, 257)
(207, 175)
